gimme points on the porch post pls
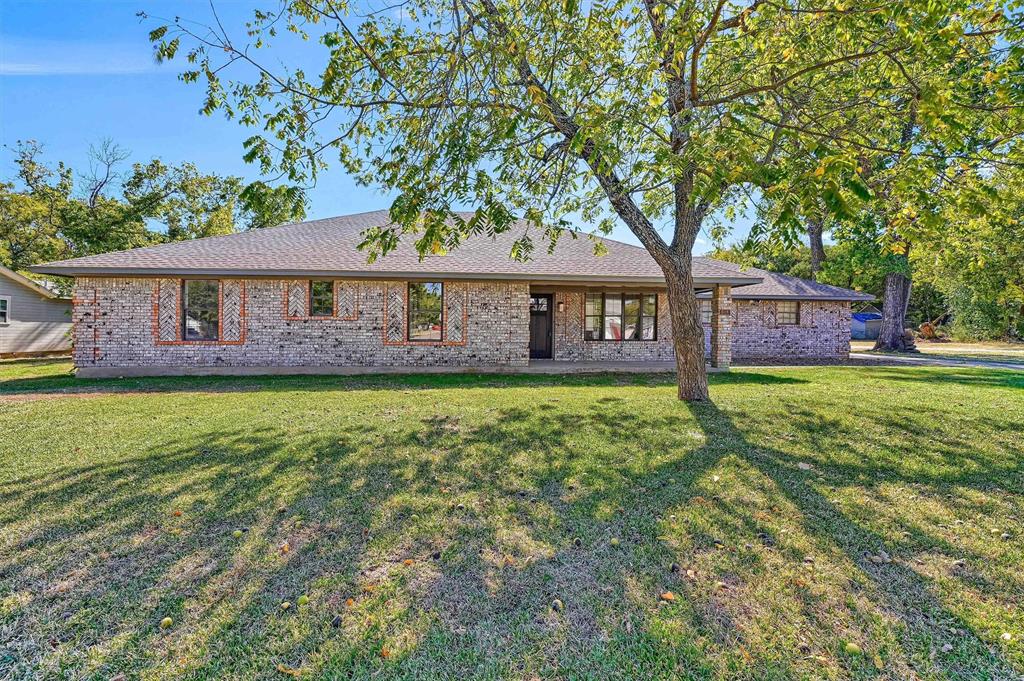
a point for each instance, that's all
(721, 326)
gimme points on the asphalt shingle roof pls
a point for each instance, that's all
(782, 287)
(322, 248)
(329, 248)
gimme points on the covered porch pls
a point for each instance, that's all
(576, 329)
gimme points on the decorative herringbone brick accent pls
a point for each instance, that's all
(167, 315)
(721, 326)
(394, 331)
(231, 310)
(297, 294)
(346, 296)
(455, 312)
(573, 317)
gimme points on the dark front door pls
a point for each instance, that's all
(540, 326)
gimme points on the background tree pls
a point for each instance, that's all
(856, 260)
(660, 112)
(45, 214)
(28, 217)
(977, 260)
(933, 131)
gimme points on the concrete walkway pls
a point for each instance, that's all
(542, 366)
(928, 360)
(549, 366)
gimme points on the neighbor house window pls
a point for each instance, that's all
(321, 298)
(705, 311)
(5, 309)
(200, 302)
(425, 311)
(620, 316)
(787, 312)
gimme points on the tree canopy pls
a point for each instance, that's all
(658, 114)
(49, 213)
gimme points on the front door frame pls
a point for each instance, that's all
(550, 314)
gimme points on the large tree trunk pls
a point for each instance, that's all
(814, 230)
(687, 331)
(892, 336)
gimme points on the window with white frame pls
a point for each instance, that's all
(787, 312)
(5, 309)
(705, 311)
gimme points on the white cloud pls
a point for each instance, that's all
(41, 57)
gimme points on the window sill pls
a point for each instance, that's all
(201, 342)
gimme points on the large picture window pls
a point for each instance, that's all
(321, 298)
(787, 312)
(621, 316)
(200, 302)
(425, 316)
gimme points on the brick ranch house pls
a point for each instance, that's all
(301, 298)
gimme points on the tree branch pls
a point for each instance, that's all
(612, 185)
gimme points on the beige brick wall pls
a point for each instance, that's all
(823, 331)
(114, 327)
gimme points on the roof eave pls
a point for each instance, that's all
(823, 298)
(28, 283)
(73, 271)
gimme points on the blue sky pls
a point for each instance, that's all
(75, 72)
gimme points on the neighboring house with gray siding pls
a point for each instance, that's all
(302, 298)
(33, 319)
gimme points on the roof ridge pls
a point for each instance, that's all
(784, 279)
(813, 282)
(211, 237)
(330, 219)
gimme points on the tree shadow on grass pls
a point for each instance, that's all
(945, 375)
(69, 386)
(898, 587)
(104, 554)
(500, 494)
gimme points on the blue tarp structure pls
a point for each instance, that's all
(865, 325)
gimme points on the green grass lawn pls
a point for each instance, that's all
(822, 523)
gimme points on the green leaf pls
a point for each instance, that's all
(859, 189)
